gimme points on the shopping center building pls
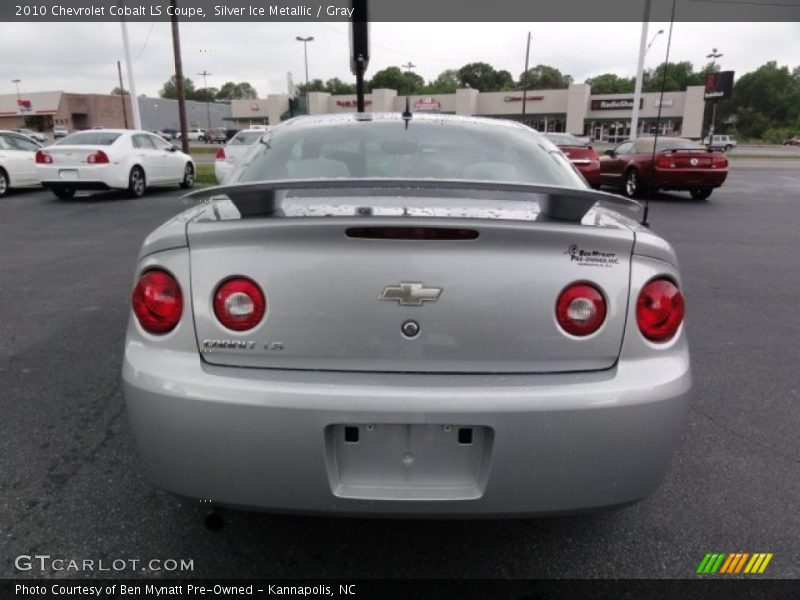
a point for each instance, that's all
(603, 117)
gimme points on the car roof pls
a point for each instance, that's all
(314, 121)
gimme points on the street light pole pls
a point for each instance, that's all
(409, 66)
(204, 75)
(637, 93)
(305, 41)
(19, 98)
(525, 79)
(714, 55)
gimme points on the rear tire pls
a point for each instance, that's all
(634, 188)
(728, 148)
(137, 184)
(188, 177)
(700, 193)
(3, 183)
(64, 193)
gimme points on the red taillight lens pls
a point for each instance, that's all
(581, 309)
(220, 154)
(659, 310)
(665, 161)
(98, 158)
(43, 158)
(157, 301)
(718, 161)
(239, 304)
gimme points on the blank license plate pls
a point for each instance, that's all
(70, 174)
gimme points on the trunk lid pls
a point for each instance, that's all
(72, 156)
(495, 312)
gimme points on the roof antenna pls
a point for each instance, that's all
(658, 116)
(407, 112)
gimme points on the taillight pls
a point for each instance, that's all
(665, 161)
(239, 304)
(581, 309)
(157, 301)
(98, 158)
(220, 154)
(718, 161)
(659, 310)
(43, 158)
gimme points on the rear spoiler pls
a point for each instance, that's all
(263, 199)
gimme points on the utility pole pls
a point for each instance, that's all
(176, 51)
(637, 93)
(204, 75)
(137, 119)
(122, 95)
(525, 78)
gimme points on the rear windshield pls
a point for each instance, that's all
(564, 139)
(245, 138)
(666, 145)
(419, 149)
(89, 138)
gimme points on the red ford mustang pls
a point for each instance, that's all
(677, 164)
(583, 156)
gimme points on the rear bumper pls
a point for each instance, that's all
(100, 177)
(263, 438)
(222, 168)
(688, 179)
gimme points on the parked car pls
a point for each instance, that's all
(17, 166)
(793, 141)
(215, 136)
(227, 157)
(34, 135)
(677, 164)
(426, 315)
(721, 142)
(59, 132)
(580, 154)
(168, 134)
(193, 135)
(121, 159)
(229, 133)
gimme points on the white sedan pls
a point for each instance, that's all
(116, 159)
(17, 167)
(231, 153)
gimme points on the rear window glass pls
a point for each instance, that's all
(419, 149)
(245, 138)
(564, 139)
(89, 138)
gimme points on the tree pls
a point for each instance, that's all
(447, 82)
(204, 94)
(544, 77)
(118, 91)
(237, 91)
(767, 98)
(315, 85)
(610, 83)
(394, 79)
(484, 77)
(170, 89)
(337, 86)
(679, 76)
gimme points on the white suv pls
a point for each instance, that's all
(194, 134)
(721, 142)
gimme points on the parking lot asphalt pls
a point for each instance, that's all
(72, 485)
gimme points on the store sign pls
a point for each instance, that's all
(519, 98)
(350, 103)
(719, 85)
(427, 105)
(615, 104)
(24, 106)
(254, 106)
(665, 104)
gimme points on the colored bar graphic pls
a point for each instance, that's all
(727, 564)
(741, 563)
(722, 563)
(718, 563)
(765, 563)
(703, 563)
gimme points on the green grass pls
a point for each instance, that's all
(209, 149)
(204, 176)
(738, 156)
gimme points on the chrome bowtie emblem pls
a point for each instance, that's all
(410, 294)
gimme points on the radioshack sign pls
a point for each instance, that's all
(615, 104)
(427, 105)
(719, 85)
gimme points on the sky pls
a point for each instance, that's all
(81, 57)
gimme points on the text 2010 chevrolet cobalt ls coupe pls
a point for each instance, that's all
(406, 315)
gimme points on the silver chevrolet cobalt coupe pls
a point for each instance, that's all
(404, 314)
